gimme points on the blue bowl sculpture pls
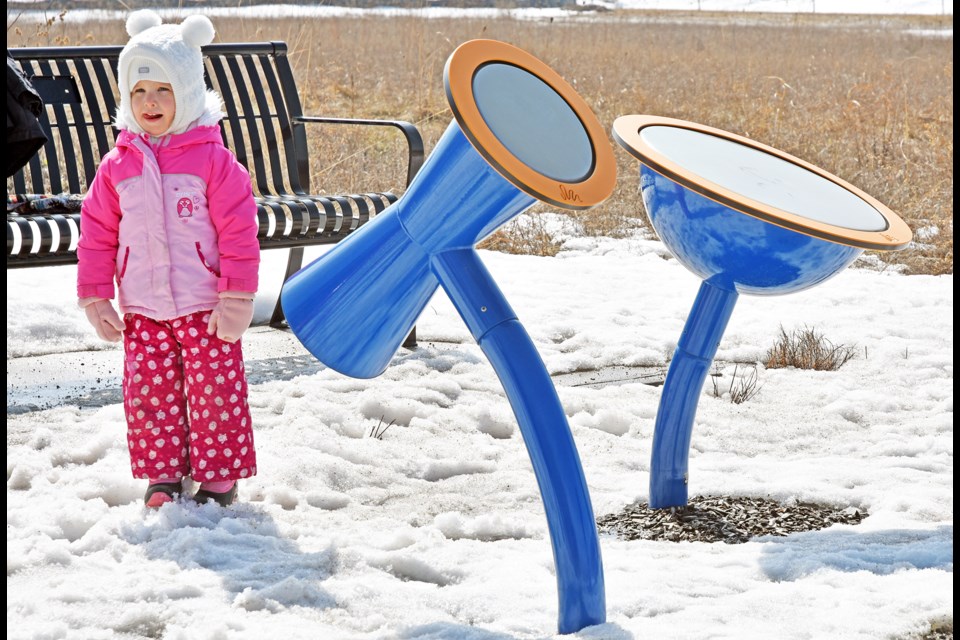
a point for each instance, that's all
(520, 134)
(747, 219)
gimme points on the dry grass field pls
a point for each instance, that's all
(861, 97)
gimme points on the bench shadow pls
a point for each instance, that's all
(879, 552)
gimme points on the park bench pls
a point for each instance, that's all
(264, 126)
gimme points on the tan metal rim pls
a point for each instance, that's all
(458, 80)
(626, 131)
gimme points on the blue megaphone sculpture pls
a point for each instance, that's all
(745, 218)
(520, 134)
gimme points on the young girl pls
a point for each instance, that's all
(170, 217)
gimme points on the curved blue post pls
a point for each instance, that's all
(681, 391)
(546, 433)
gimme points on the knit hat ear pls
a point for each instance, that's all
(140, 21)
(165, 53)
(197, 31)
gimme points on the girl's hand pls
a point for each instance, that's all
(232, 315)
(104, 318)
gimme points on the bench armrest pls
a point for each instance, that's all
(410, 132)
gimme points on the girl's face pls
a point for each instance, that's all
(154, 106)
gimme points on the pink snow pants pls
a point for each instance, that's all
(185, 398)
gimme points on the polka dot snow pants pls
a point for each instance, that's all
(173, 367)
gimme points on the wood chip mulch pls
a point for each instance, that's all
(733, 520)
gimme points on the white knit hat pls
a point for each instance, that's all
(165, 53)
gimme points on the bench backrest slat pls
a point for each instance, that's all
(61, 134)
(298, 135)
(280, 94)
(244, 89)
(233, 137)
(73, 125)
(270, 137)
(105, 104)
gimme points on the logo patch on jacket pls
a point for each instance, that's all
(185, 208)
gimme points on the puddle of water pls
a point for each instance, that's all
(612, 376)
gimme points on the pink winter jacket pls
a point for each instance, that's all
(174, 224)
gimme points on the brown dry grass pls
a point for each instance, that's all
(806, 348)
(858, 96)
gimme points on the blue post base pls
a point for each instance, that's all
(668, 492)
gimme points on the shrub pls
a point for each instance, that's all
(741, 388)
(807, 349)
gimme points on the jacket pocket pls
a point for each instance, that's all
(204, 261)
(123, 266)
